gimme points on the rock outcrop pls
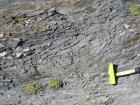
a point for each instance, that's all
(70, 40)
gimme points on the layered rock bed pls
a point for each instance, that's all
(72, 41)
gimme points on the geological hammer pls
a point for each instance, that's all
(112, 74)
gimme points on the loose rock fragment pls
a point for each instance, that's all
(2, 54)
(18, 55)
(26, 49)
(1, 35)
(126, 26)
(1, 45)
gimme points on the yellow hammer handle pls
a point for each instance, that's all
(126, 72)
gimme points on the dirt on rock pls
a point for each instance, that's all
(72, 41)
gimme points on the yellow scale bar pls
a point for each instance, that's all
(126, 72)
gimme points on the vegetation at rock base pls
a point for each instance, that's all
(31, 89)
(21, 19)
(135, 10)
(55, 84)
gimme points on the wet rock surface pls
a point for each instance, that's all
(70, 40)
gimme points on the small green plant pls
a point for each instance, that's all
(21, 19)
(31, 89)
(135, 10)
(55, 84)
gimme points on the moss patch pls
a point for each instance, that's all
(55, 84)
(31, 89)
(135, 10)
(21, 19)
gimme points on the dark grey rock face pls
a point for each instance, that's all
(14, 42)
(72, 41)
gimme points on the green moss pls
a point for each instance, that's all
(135, 10)
(31, 89)
(55, 84)
(21, 19)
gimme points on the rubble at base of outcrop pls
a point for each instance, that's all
(73, 41)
